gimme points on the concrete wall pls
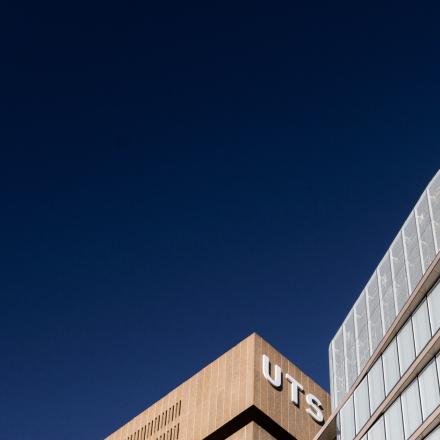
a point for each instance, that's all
(222, 392)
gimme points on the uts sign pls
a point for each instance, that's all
(275, 378)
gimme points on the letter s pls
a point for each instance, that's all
(315, 409)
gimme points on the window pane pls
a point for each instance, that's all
(438, 366)
(405, 344)
(347, 420)
(434, 308)
(435, 435)
(423, 219)
(411, 244)
(398, 265)
(362, 342)
(390, 366)
(350, 350)
(339, 366)
(332, 375)
(386, 292)
(377, 431)
(422, 329)
(434, 202)
(374, 315)
(393, 422)
(412, 416)
(429, 389)
(376, 385)
(361, 406)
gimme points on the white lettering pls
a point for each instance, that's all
(295, 388)
(315, 407)
(276, 381)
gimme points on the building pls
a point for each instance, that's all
(384, 365)
(252, 392)
(384, 361)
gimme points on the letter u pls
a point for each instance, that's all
(276, 380)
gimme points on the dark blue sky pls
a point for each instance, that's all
(173, 179)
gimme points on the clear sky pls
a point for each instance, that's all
(174, 178)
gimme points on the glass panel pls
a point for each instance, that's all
(435, 435)
(412, 415)
(425, 232)
(376, 385)
(393, 422)
(347, 420)
(438, 366)
(405, 344)
(377, 431)
(422, 329)
(361, 406)
(338, 426)
(411, 244)
(350, 350)
(434, 308)
(429, 389)
(361, 321)
(332, 374)
(399, 272)
(434, 201)
(427, 247)
(339, 366)
(374, 314)
(390, 366)
(386, 293)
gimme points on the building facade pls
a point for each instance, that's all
(384, 365)
(251, 392)
(384, 360)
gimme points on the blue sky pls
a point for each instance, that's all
(173, 179)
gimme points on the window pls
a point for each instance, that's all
(393, 421)
(429, 389)
(377, 431)
(435, 435)
(422, 329)
(347, 420)
(374, 316)
(438, 366)
(434, 308)
(386, 292)
(390, 366)
(361, 406)
(376, 385)
(405, 344)
(351, 369)
(362, 342)
(399, 272)
(339, 366)
(412, 251)
(412, 416)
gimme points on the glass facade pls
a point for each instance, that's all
(376, 385)
(434, 435)
(389, 288)
(394, 422)
(418, 400)
(407, 413)
(388, 402)
(411, 409)
(391, 370)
